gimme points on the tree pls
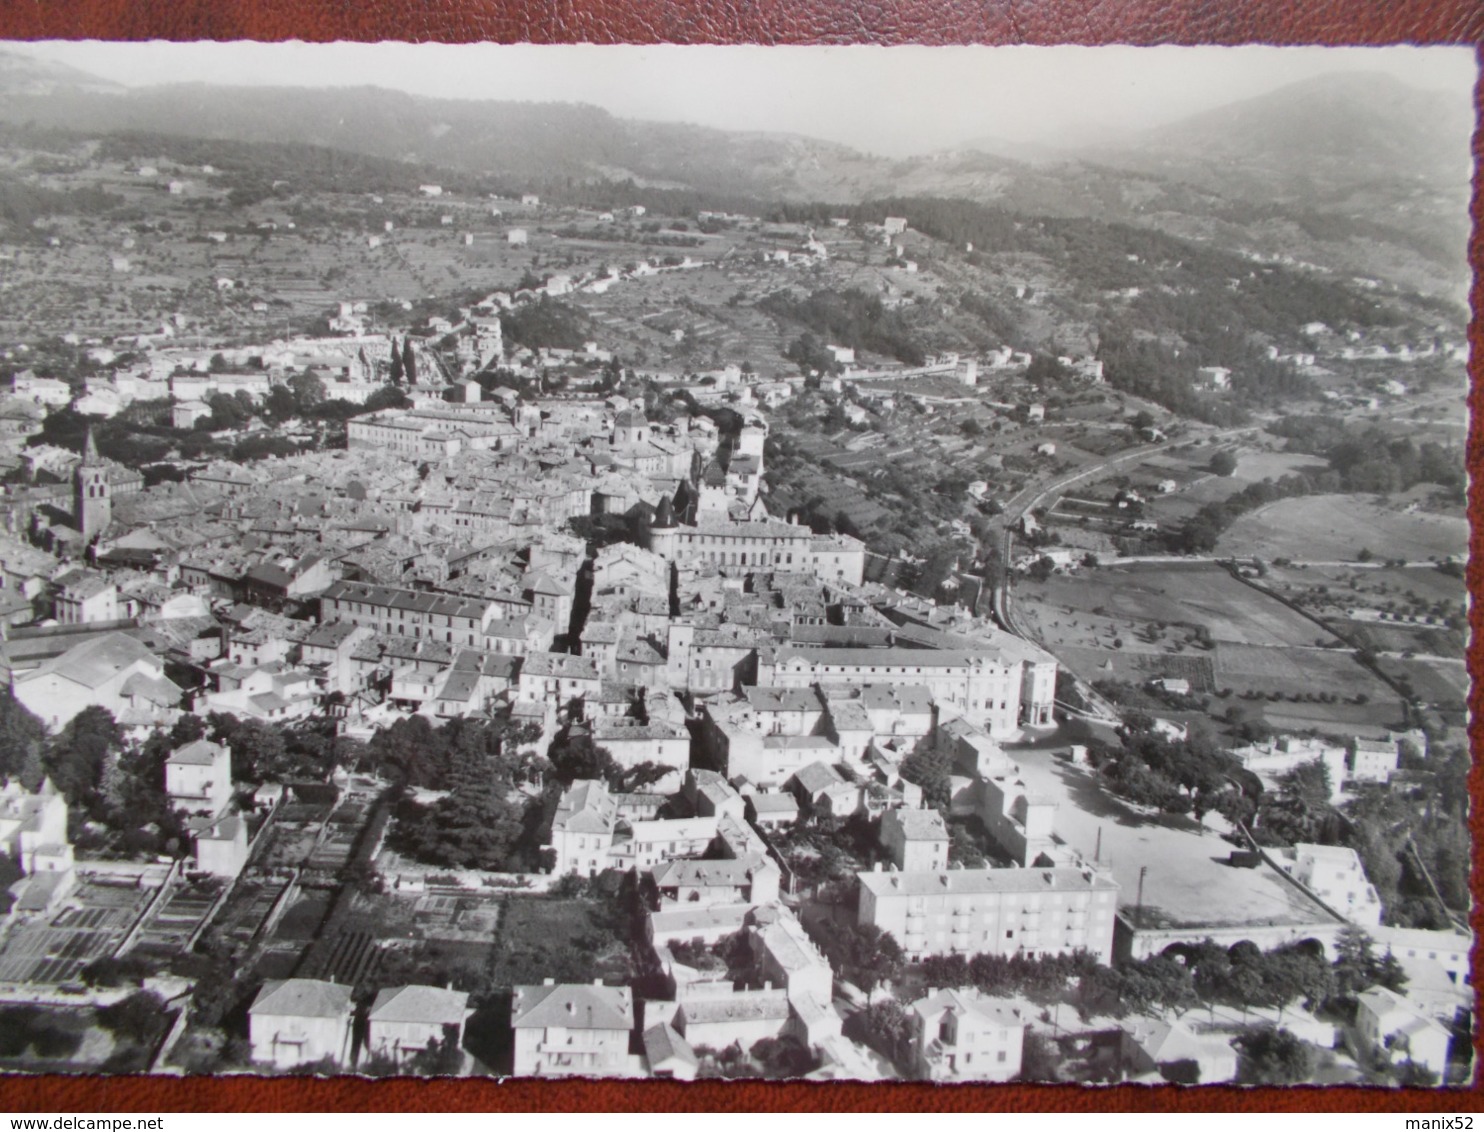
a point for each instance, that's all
(139, 1017)
(868, 955)
(1223, 463)
(308, 390)
(409, 361)
(1274, 1057)
(227, 412)
(259, 753)
(1156, 983)
(21, 739)
(929, 766)
(442, 1057)
(280, 404)
(387, 397)
(576, 757)
(397, 370)
(77, 758)
(783, 1057)
(884, 1027)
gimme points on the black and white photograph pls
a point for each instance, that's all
(938, 564)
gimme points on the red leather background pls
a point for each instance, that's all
(1146, 22)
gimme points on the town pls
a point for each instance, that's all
(467, 631)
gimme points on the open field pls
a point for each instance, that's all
(1441, 682)
(1256, 466)
(1338, 527)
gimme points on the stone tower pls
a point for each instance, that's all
(94, 508)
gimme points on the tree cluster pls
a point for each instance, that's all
(1177, 776)
(1044, 979)
(850, 318)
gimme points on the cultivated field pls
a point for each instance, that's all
(1095, 606)
(1131, 624)
(1328, 528)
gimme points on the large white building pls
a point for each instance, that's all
(409, 613)
(742, 547)
(1031, 912)
(1000, 688)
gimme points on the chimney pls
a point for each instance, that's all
(548, 982)
(597, 982)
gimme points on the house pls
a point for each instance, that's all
(572, 1030)
(221, 846)
(1171, 1050)
(667, 1054)
(86, 597)
(1389, 1027)
(716, 1016)
(738, 881)
(772, 810)
(198, 778)
(915, 839)
(404, 1020)
(894, 225)
(185, 414)
(959, 1035)
(822, 789)
(299, 1022)
(1372, 760)
(33, 834)
(582, 828)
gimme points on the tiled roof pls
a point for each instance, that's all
(573, 1007)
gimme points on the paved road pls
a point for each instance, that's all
(1033, 495)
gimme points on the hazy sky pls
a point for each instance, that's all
(893, 100)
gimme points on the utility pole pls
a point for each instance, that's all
(1139, 903)
(1097, 852)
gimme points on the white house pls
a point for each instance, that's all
(1389, 1026)
(572, 1030)
(221, 846)
(404, 1020)
(299, 1021)
(198, 777)
(960, 1036)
